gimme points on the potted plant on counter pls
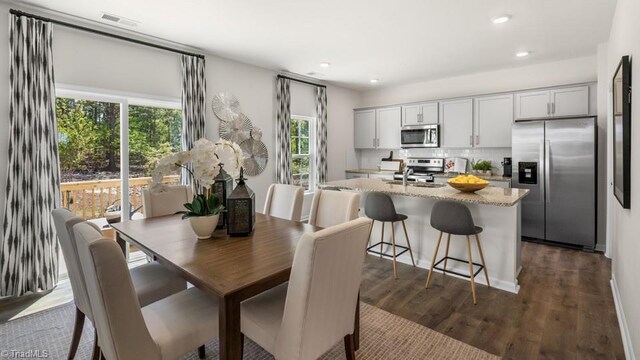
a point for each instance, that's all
(481, 167)
(203, 164)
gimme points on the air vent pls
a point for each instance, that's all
(119, 20)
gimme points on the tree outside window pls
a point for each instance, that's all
(302, 142)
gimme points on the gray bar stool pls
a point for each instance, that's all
(379, 207)
(455, 218)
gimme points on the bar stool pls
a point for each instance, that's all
(379, 207)
(455, 218)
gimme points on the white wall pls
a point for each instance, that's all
(89, 60)
(625, 40)
(532, 76)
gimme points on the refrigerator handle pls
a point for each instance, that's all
(547, 168)
(541, 161)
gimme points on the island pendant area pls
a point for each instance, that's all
(496, 210)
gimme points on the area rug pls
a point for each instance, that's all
(383, 336)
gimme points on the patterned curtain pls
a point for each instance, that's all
(321, 135)
(29, 248)
(283, 118)
(193, 104)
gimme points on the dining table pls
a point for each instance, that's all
(230, 269)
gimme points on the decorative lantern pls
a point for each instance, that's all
(241, 209)
(222, 188)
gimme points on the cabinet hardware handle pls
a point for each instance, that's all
(477, 139)
(420, 119)
(548, 111)
(471, 140)
(553, 108)
(374, 142)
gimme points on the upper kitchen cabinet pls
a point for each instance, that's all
(388, 129)
(364, 131)
(420, 114)
(493, 119)
(456, 119)
(569, 101)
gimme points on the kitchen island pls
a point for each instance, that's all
(496, 210)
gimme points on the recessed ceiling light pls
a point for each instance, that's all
(501, 19)
(373, 81)
(325, 64)
(523, 53)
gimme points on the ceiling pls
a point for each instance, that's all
(393, 41)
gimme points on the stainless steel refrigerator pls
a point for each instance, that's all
(556, 161)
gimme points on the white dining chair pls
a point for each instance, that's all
(284, 201)
(166, 329)
(330, 207)
(166, 202)
(151, 281)
(309, 315)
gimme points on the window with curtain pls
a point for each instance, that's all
(302, 142)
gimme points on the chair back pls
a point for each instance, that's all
(167, 202)
(330, 208)
(453, 218)
(284, 201)
(379, 207)
(117, 315)
(62, 219)
(323, 290)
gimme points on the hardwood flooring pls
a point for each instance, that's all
(564, 310)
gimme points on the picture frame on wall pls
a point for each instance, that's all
(622, 132)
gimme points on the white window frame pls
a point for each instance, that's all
(124, 99)
(312, 150)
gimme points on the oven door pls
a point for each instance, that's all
(419, 136)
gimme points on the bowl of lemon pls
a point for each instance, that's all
(468, 183)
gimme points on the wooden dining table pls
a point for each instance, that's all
(230, 269)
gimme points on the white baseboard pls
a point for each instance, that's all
(622, 321)
(495, 283)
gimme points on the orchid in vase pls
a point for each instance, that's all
(203, 164)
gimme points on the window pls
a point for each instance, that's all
(302, 151)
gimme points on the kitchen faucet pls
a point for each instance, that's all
(407, 171)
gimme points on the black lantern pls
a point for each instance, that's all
(222, 188)
(241, 209)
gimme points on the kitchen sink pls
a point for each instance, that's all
(415, 184)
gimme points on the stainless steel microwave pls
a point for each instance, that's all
(419, 136)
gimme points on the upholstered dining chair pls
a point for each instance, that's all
(307, 316)
(330, 207)
(167, 202)
(284, 201)
(151, 281)
(166, 329)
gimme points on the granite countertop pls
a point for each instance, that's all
(370, 171)
(490, 195)
(490, 178)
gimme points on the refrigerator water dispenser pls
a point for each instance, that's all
(528, 173)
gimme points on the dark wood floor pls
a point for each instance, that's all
(564, 310)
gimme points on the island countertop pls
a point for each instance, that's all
(488, 196)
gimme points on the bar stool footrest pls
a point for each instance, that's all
(480, 267)
(404, 249)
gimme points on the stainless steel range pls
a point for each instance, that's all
(422, 169)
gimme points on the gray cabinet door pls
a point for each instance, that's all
(364, 129)
(570, 166)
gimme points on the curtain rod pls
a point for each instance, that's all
(103, 33)
(302, 81)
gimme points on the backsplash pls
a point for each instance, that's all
(369, 159)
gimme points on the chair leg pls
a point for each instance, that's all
(77, 333)
(381, 238)
(484, 267)
(471, 277)
(349, 347)
(96, 347)
(446, 253)
(433, 261)
(406, 235)
(369, 237)
(201, 352)
(393, 242)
